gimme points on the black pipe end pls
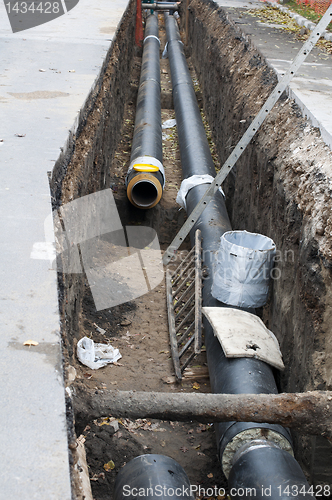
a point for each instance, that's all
(152, 477)
(268, 473)
(144, 189)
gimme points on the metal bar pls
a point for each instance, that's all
(185, 319)
(192, 271)
(183, 271)
(248, 135)
(171, 326)
(186, 332)
(188, 344)
(185, 293)
(183, 262)
(188, 360)
(184, 307)
(187, 21)
(198, 292)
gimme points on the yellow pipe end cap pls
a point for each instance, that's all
(144, 167)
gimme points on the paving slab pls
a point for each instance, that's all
(311, 88)
(46, 74)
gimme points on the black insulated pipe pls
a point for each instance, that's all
(145, 178)
(227, 375)
(156, 477)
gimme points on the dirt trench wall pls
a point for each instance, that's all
(84, 165)
(282, 188)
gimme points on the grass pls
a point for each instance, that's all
(305, 11)
(274, 15)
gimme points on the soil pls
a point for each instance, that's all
(139, 329)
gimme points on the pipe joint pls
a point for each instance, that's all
(247, 439)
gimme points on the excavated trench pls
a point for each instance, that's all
(280, 188)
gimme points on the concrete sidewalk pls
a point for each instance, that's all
(312, 86)
(46, 74)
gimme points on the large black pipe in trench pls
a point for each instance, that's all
(260, 464)
(153, 477)
(145, 188)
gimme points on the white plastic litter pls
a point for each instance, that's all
(96, 355)
(187, 184)
(243, 269)
(169, 123)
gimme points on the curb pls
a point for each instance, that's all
(300, 20)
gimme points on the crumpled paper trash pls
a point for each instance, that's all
(96, 355)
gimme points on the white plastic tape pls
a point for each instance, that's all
(165, 52)
(147, 160)
(187, 184)
(151, 36)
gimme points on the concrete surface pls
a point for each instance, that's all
(46, 74)
(312, 86)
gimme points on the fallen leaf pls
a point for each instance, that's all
(30, 342)
(96, 477)
(109, 466)
(184, 449)
(210, 475)
(125, 322)
(196, 385)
